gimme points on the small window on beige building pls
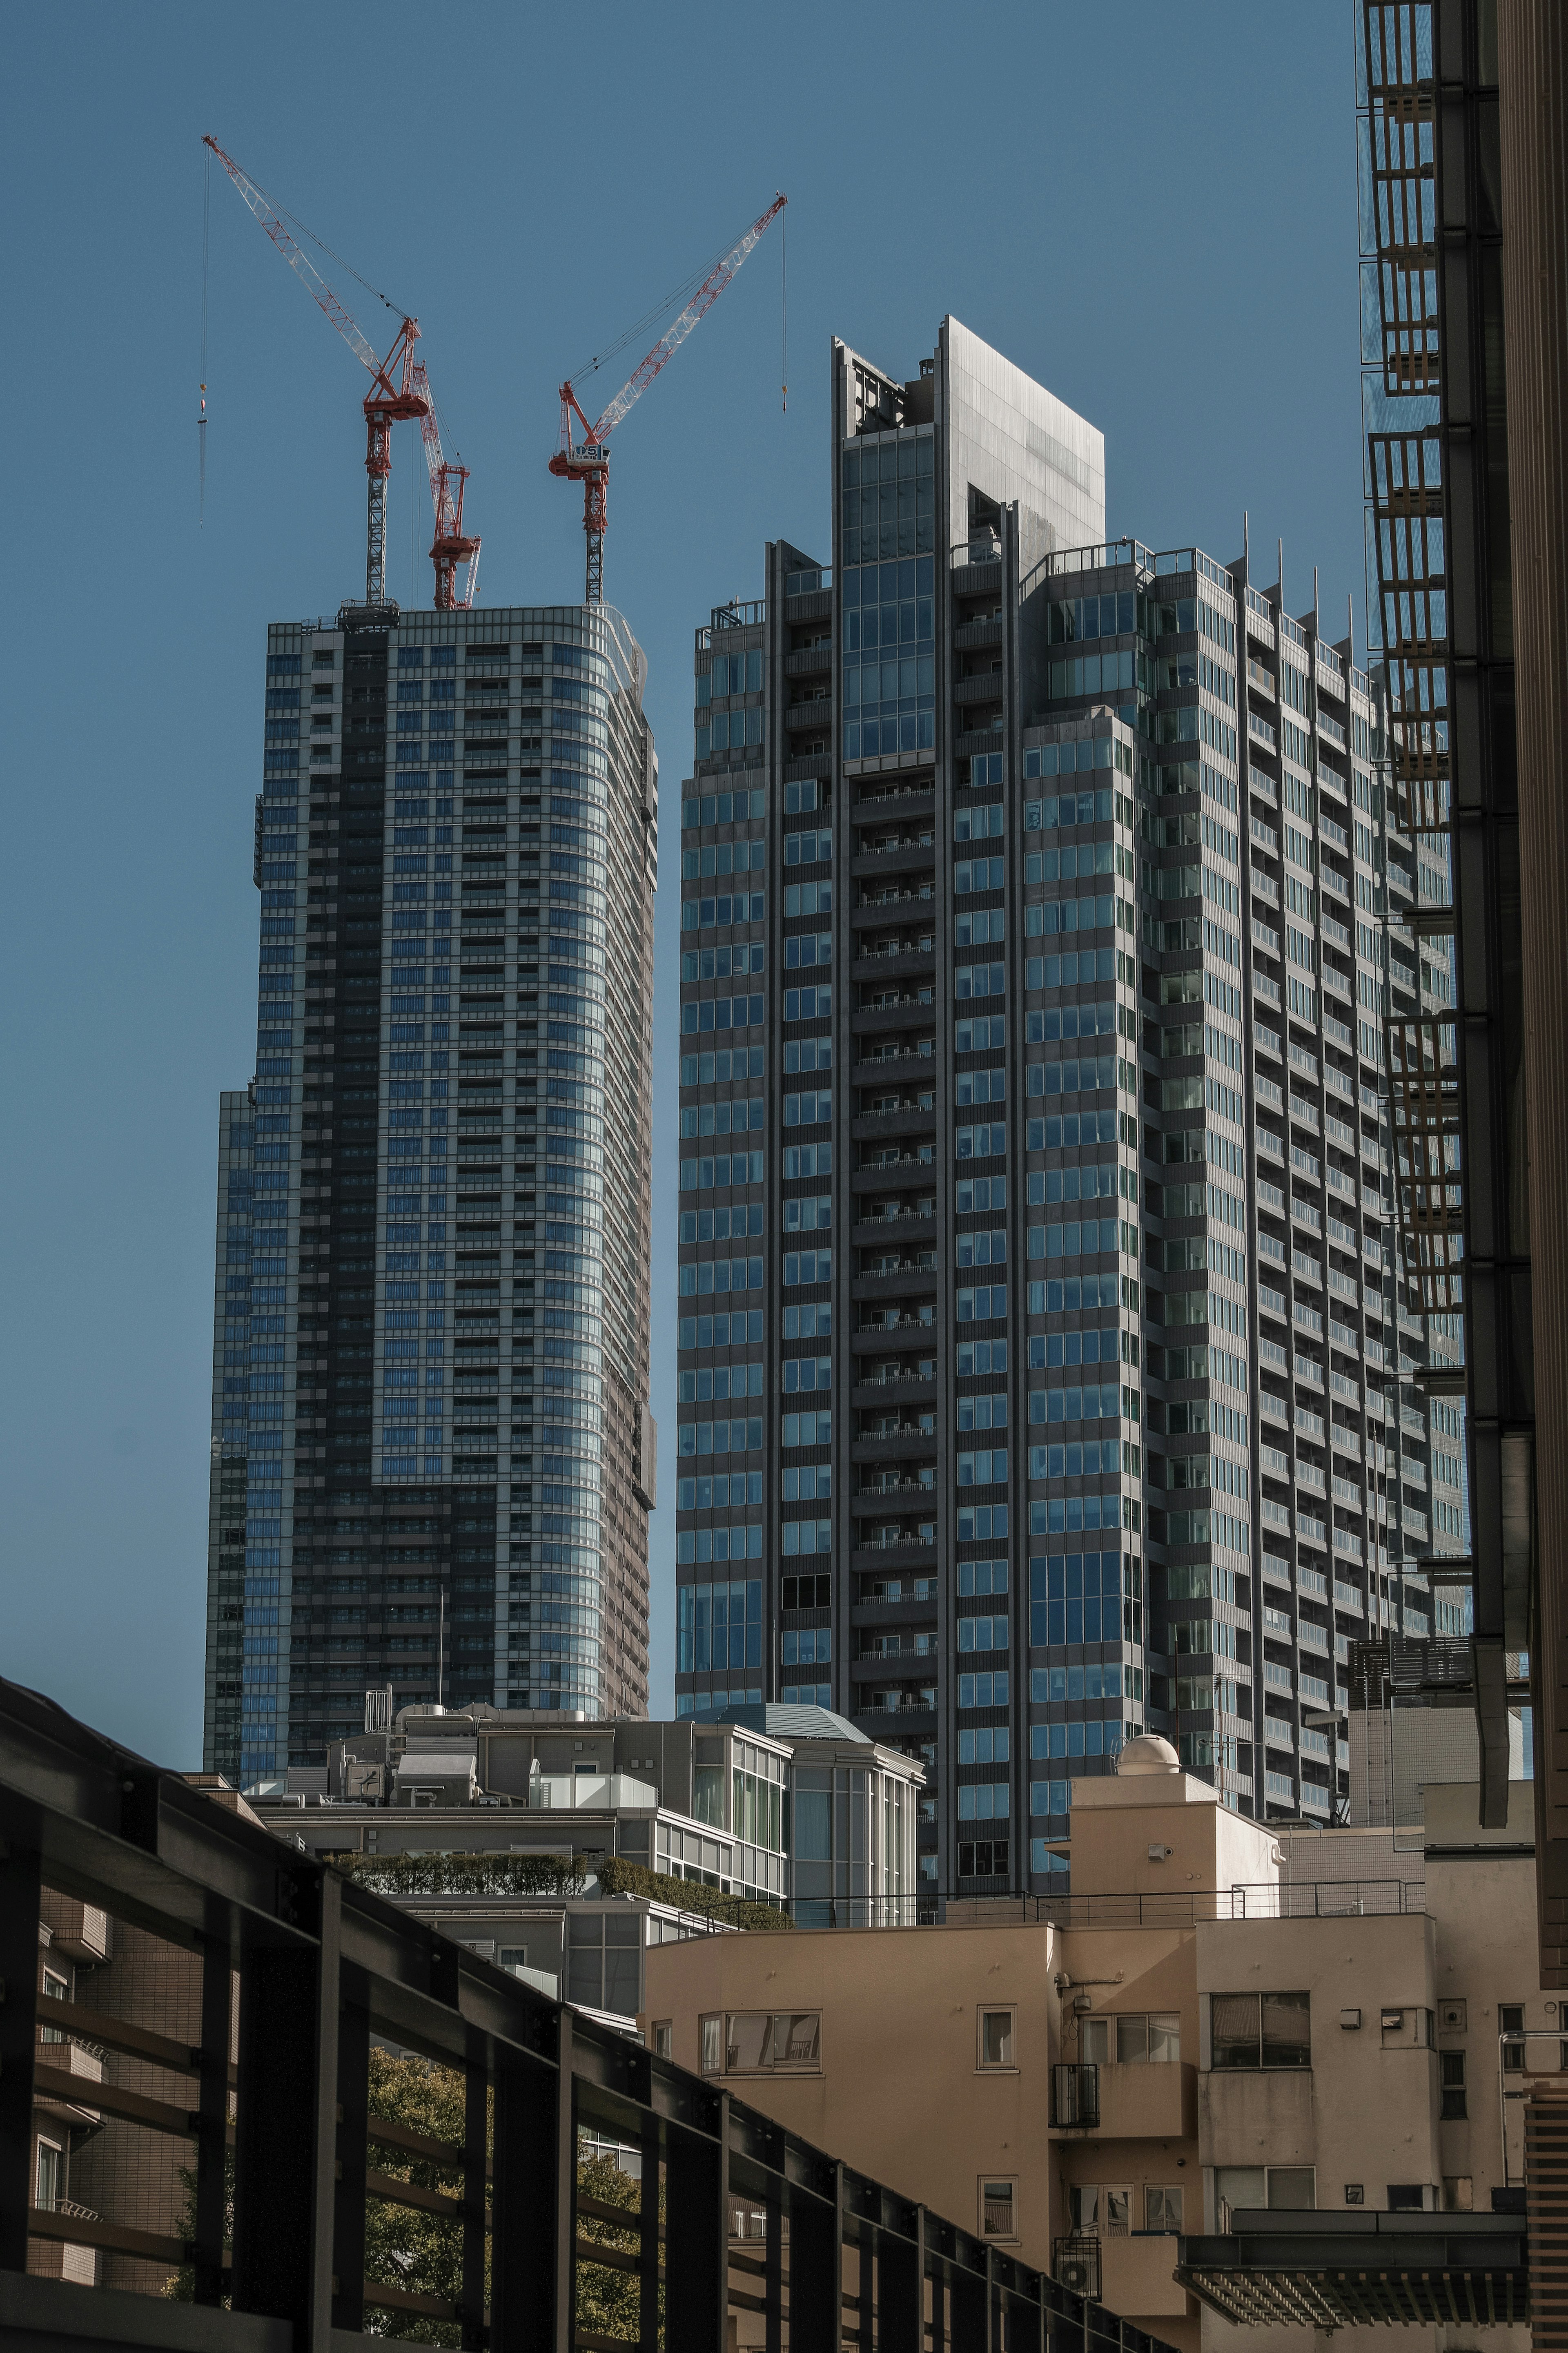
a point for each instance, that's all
(711, 2045)
(1162, 2207)
(996, 2038)
(1103, 2209)
(768, 2041)
(1131, 2038)
(663, 2038)
(1268, 2030)
(998, 2209)
(1511, 2020)
(1291, 2187)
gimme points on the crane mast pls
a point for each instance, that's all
(450, 546)
(588, 461)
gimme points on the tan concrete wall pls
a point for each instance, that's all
(900, 2095)
(1116, 1823)
(1488, 1954)
(1366, 2111)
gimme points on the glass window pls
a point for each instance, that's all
(712, 2041)
(1162, 2207)
(1133, 2038)
(663, 2038)
(998, 2210)
(761, 2040)
(51, 2175)
(1453, 2066)
(1106, 2211)
(996, 2038)
(1238, 2186)
(1268, 2030)
(57, 1989)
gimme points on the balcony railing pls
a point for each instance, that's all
(1075, 2094)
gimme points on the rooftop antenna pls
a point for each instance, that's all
(1247, 541)
(1281, 576)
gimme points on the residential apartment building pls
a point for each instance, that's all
(1033, 1155)
(432, 1454)
(1217, 2020)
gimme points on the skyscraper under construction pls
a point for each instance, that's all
(432, 1455)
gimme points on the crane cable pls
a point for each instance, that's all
(783, 307)
(202, 420)
(675, 298)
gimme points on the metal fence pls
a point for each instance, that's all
(299, 1980)
(1322, 1899)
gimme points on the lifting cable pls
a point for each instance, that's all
(783, 307)
(202, 420)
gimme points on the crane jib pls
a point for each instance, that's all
(589, 461)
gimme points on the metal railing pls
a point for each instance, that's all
(1182, 1908)
(1075, 2094)
(312, 1980)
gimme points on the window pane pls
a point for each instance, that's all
(747, 2038)
(712, 2045)
(996, 2038)
(1287, 2030)
(1236, 2187)
(997, 2208)
(623, 1982)
(1291, 2185)
(1162, 2208)
(795, 2036)
(1118, 2213)
(1236, 2030)
(1165, 2036)
(1131, 2039)
(1094, 2037)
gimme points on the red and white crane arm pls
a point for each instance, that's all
(298, 260)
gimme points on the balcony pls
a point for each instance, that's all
(982, 686)
(811, 661)
(1137, 2275)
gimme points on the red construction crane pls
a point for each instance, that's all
(588, 461)
(450, 546)
(395, 396)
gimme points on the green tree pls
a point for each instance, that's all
(422, 2254)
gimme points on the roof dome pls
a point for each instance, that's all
(1148, 1754)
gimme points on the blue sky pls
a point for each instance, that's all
(1151, 208)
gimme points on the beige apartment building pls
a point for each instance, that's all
(1221, 2017)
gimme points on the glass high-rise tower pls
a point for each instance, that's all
(1040, 1350)
(432, 1451)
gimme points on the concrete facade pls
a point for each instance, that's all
(1384, 2010)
